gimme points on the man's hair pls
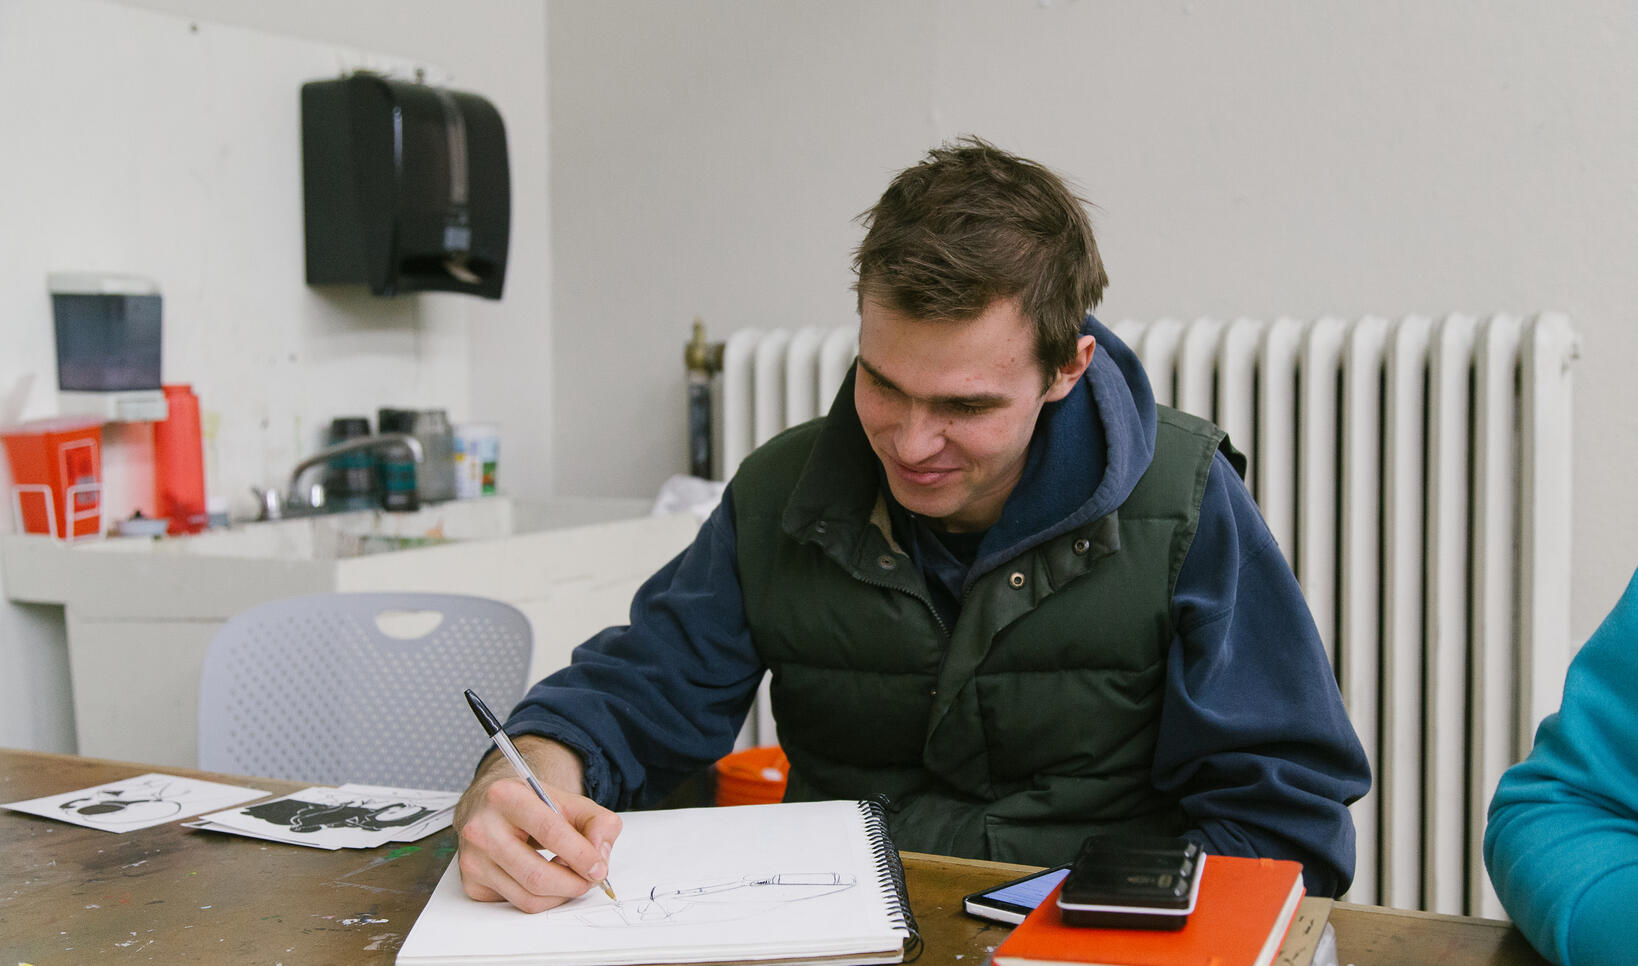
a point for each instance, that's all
(972, 224)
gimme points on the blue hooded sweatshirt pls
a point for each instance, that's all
(1253, 739)
(1562, 841)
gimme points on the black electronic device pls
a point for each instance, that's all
(1132, 882)
(1011, 901)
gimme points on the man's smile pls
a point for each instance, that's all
(921, 475)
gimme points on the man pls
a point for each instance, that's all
(998, 588)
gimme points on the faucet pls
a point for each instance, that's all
(274, 507)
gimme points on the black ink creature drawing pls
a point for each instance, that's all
(131, 805)
(307, 817)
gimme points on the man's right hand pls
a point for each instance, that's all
(501, 823)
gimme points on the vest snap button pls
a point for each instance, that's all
(1082, 545)
(819, 527)
(885, 562)
(1017, 579)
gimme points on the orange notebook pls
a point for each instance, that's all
(1245, 907)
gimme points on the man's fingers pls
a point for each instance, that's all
(486, 882)
(601, 828)
(559, 834)
(497, 861)
(502, 824)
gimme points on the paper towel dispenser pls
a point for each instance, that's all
(406, 187)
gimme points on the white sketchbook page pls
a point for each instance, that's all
(743, 882)
(140, 802)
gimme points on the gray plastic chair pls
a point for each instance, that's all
(313, 689)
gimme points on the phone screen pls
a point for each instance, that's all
(1012, 901)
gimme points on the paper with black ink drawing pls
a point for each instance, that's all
(137, 803)
(348, 816)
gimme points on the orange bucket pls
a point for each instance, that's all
(755, 776)
(56, 473)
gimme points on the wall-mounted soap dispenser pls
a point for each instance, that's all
(406, 187)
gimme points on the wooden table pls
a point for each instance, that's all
(169, 894)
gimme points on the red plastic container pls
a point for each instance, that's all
(179, 463)
(755, 776)
(56, 473)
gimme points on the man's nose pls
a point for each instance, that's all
(920, 436)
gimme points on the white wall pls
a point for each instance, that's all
(495, 48)
(140, 141)
(1381, 157)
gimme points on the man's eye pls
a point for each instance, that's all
(882, 387)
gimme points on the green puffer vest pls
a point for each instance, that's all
(1018, 732)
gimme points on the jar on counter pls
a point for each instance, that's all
(349, 479)
(395, 465)
(435, 475)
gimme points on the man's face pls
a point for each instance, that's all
(949, 407)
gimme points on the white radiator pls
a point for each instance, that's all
(775, 379)
(772, 380)
(1416, 473)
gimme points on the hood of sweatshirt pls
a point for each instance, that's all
(1089, 450)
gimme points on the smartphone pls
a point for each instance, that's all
(1012, 901)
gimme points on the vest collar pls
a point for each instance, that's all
(838, 485)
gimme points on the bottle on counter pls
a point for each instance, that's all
(179, 463)
(477, 450)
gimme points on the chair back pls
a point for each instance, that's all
(360, 687)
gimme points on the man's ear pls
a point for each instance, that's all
(1070, 373)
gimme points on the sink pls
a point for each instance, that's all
(358, 533)
(334, 536)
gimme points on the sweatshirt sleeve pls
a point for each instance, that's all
(1253, 737)
(646, 704)
(1562, 840)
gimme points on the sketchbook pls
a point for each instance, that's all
(795, 882)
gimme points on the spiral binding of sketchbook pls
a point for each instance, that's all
(792, 882)
(890, 867)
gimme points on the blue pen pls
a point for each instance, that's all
(492, 725)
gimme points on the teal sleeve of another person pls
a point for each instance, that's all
(1562, 840)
